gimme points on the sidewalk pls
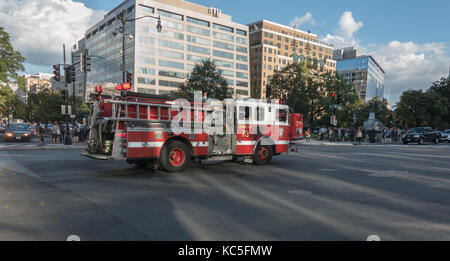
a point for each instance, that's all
(47, 146)
(314, 142)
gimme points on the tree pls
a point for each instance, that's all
(309, 92)
(10, 60)
(442, 88)
(207, 78)
(9, 102)
(418, 108)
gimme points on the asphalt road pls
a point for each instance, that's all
(319, 193)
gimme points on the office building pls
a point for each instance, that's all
(273, 46)
(161, 61)
(361, 71)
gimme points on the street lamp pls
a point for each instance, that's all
(122, 31)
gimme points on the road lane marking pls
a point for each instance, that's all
(8, 163)
(298, 192)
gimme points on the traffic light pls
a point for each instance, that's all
(333, 98)
(339, 99)
(70, 74)
(64, 94)
(87, 63)
(57, 72)
(129, 78)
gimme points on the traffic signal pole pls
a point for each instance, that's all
(66, 100)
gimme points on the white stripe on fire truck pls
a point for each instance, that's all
(252, 142)
(160, 144)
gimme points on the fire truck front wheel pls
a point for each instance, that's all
(174, 156)
(263, 155)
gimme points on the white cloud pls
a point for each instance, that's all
(412, 66)
(38, 28)
(408, 65)
(344, 35)
(306, 19)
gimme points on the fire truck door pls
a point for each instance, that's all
(220, 143)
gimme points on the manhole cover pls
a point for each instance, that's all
(299, 192)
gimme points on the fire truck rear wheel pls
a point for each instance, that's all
(263, 155)
(175, 156)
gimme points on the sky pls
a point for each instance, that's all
(409, 39)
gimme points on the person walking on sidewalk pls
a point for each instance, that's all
(40, 134)
(61, 131)
(55, 130)
(308, 135)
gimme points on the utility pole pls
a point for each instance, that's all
(67, 140)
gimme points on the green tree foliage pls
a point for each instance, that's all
(10, 101)
(205, 77)
(10, 64)
(419, 108)
(309, 92)
(10, 60)
(46, 107)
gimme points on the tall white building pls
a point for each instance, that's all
(160, 62)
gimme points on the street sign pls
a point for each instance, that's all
(72, 116)
(66, 111)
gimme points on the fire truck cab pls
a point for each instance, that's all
(144, 128)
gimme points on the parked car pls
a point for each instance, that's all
(17, 132)
(2, 128)
(446, 136)
(421, 135)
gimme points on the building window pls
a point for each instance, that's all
(241, 32)
(171, 54)
(197, 21)
(170, 44)
(170, 15)
(147, 81)
(170, 64)
(241, 58)
(241, 40)
(242, 75)
(178, 75)
(241, 49)
(198, 40)
(148, 71)
(242, 66)
(197, 49)
(223, 54)
(169, 84)
(225, 37)
(242, 84)
(196, 30)
(223, 28)
(223, 45)
(223, 63)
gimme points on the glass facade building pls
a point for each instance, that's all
(160, 62)
(364, 73)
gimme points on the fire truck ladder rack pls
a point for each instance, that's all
(119, 114)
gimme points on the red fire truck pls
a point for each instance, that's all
(139, 128)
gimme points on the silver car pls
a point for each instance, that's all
(17, 132)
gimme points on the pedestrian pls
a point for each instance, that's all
(308, 135)
(62, 133)
(76, 132)
(40, 131)
(55, 130)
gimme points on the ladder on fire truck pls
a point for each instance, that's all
(121, 111)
